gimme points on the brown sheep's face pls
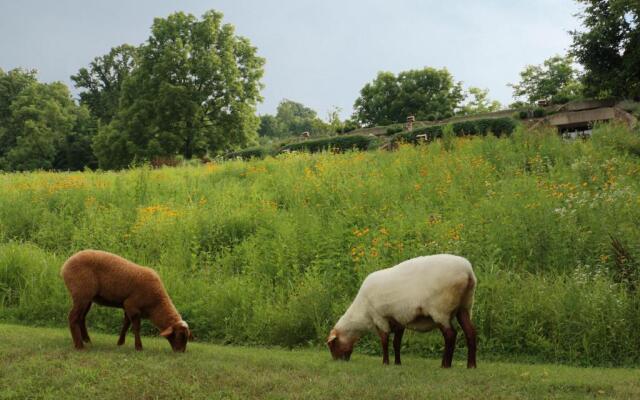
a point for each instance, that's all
(340, 346)
(178, 335)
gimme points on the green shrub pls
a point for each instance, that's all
(617, 138)
(337, 143)
(393, 129)
(498, 126)
(539, 112)
(248, 153)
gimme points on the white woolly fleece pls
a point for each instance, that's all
(419, 294)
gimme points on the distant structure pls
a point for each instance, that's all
(410, 120)
(576, 119)
(543, 103)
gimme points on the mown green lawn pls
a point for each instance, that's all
(41, 363)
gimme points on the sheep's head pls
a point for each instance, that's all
(340, 345)
(178, 334)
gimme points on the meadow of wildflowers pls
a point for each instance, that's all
(272, 251)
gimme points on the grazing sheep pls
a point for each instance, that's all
(419, 294)
(94, 276)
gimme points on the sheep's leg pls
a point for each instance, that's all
(470, 334)
(449, 335)
(135, 322)
(133, 313)
(397, 341)
(75, 316)
(123, 332)
(384, 340)
(83, 325)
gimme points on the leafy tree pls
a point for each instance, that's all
(609, 47)
(555, 80)
(102, 81)
(480, 102)
(75, 147)
(44, 117)
(12, 83)
(269, 127)
(390, 99)
(294, 118)
(333, 117)
(194, 89)
(41, 127)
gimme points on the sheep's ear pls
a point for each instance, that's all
(331, 337)
(167, 332)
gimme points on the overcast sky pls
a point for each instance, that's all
(318, 52)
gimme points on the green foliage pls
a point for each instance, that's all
(393, 129)
(272, 251)
(102, 81)
(617, 139)
(448, 136)
(248, 153)
(556, 80)
(348, 126)
(480, 102)
(270, 127)
(390, 99)
(293, 119)
(608, 47)
(497, 126)
(336, 143)
(40, 125)
(193, 90)
(539, 112)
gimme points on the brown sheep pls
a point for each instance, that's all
(94, 276)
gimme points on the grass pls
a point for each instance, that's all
(39, 363)
(271, 252)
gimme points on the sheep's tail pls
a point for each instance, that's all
(467, 297)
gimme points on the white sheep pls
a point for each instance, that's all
(419, 294)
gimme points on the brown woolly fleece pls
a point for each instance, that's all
(110, 280)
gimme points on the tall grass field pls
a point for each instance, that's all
(271, 252)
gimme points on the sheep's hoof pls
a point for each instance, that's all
(138, 348)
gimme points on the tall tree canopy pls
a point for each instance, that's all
(41, 127)
(609, 47)
(390, 99)
(102, 81)
(194, 89)
(556, 80)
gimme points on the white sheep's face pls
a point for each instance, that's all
(340, 346)
(178, 335)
